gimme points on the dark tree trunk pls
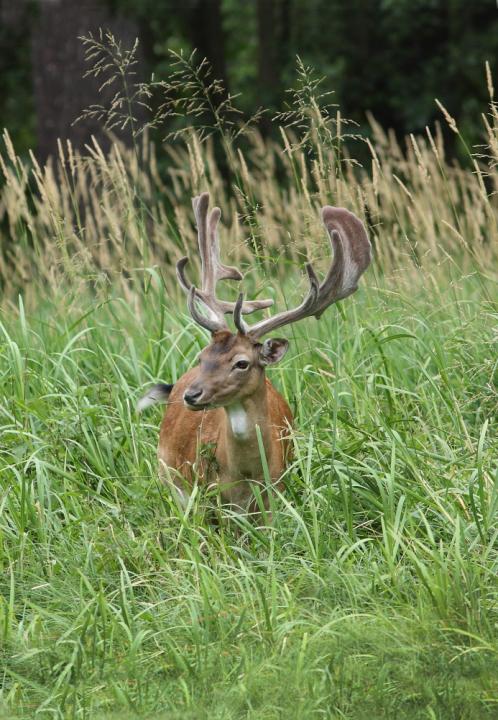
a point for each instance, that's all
(61, 92)
(205, 28)
(268, 57)
(285, 14)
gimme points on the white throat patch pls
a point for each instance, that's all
(238, 421)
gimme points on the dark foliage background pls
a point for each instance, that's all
(390, 57)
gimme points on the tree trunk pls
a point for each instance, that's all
(268, 59)
(61, 93)
(205, 28)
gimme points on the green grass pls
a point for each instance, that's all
(374, 593)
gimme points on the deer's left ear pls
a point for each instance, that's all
(272, 351)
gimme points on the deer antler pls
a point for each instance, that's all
(352, 256)
(212, 271)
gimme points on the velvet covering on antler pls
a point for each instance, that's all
(212, 271)
(352, 256)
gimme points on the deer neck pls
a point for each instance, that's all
(242, 417)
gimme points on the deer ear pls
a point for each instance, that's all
(272, 351)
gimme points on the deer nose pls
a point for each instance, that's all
(191, 396)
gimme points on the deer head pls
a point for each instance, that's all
(232, 366)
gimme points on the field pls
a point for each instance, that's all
(373, 593)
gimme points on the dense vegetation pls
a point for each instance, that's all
(391, 58)
(373, 593)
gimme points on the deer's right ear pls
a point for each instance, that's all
(273, 350)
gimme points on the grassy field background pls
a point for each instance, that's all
(373, 594)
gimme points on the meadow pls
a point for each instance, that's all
(373, 592)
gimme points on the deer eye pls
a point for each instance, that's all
(241, 365)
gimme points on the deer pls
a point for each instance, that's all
(226, 403)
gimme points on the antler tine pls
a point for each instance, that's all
(289, 316)
(211, 322)
(240, 324)
(226, 272)
(352, 256)
(180, 274)
(212, 270)
(217, 271)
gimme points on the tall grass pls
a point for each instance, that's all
(373, 593)
(95, 216)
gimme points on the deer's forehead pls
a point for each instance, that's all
(226, 348)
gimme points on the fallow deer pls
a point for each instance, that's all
(220, 403)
